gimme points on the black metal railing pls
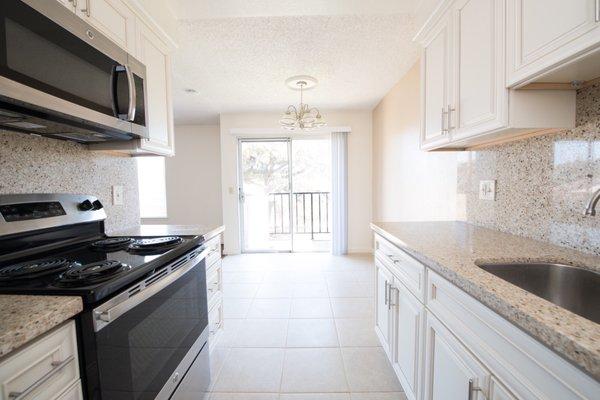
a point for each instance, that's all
(310, 212)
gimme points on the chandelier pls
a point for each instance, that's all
(303, 117)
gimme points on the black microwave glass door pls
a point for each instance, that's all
(140, 350)
(140, 107)
(37, 52)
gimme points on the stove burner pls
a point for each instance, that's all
(114, 243)
(35, 269)
(96, 272)
(151, 245)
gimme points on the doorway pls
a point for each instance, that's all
(285, 194)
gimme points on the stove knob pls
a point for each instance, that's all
(97, 205)
(86, 205)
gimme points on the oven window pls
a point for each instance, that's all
(40, 54)
(140, 350)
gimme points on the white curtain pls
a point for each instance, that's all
(339, 192)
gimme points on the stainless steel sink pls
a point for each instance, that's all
(573, 288)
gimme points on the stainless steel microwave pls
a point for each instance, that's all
(60, 77)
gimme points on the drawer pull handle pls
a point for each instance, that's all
(473, 388)
(57, 366)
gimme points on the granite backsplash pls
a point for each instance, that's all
(30, 164)
(542, 183)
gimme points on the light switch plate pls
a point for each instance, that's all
(487, 190)
(117, 195)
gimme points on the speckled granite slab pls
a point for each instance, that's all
(23, 318)
(453, 248)
(164, 230)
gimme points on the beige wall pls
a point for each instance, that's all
(359, 171)
(193, 178)
(409, 184)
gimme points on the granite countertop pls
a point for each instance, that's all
(207, 231)
(453, 248)
(26, 317)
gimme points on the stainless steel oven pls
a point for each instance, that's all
(60, 77)
(151, 340)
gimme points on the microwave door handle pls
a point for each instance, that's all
(132, 94)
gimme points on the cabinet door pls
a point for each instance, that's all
(409, 314)
(154, 53)
(542, 34)
(70, 4)
(111, 17)
(498, 391)
(435, 80)
(451, 372)
(383, 325)
(479, 102)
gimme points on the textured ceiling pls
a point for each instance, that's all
(240, 64)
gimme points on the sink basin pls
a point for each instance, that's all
(573, 288)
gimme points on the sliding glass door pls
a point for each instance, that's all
(284, 193)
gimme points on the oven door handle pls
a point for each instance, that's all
(128, 299)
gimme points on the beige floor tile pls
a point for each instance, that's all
(236, 308)
(353, 307)
(378, 396)
(368, 370)
(314, 396)
(243, 396)
(240, 290)
(243, 277)
(311, 308)
(270, 308)
(310, 290)
(357, 332)
(350, 289)
(262, 333)
(313, 370)
(274, 291)
(251, 370)
(231, 328)
(312, 333)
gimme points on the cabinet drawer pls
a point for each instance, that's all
(214, 251)
(72, 393)
(215, 322)
(44, 368)
(213, 281)
(406, 269)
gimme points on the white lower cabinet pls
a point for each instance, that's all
(449, 346)
(214, 290)
(451, 372)
(408, 315)
(46, 369)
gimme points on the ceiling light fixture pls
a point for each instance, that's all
(304, 117)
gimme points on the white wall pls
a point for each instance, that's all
(410, 184)
(193, 178)
(359, 171)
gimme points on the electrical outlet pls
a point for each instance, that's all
(117, 195)
(487, 190)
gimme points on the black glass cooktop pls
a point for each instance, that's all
(92, 269)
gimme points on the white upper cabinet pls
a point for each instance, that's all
(435, 89)
(465, 99)
(111, 17)
(154, 53)
(479, 101)
(545, 35)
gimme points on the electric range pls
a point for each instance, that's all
(145, 312)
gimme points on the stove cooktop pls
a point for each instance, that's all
(93, 269)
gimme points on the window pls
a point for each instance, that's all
(152, 187)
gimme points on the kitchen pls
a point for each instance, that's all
(163, 235)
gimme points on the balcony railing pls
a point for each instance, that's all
(310, 212)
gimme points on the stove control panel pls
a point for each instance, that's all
(27, 211)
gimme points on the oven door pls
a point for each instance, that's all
(55, 66)
(147, 337)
